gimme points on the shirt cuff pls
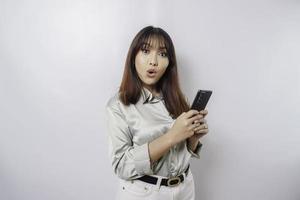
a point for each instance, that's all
(142, 159)
(196, 153)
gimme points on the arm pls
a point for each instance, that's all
(193, 143)
(180, 131)
(160, 146)
(128, 161)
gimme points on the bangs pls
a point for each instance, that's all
(152, 39)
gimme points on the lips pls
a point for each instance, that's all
(151, 73)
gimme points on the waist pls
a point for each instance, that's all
(166, 181)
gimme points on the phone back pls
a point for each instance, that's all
(201, 99)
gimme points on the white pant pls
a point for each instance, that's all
(139, 190)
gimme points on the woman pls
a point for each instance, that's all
(152, 131)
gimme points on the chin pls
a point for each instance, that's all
(147, 82)
(150, 83)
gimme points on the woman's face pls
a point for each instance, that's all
(151, 62)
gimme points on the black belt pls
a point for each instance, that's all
(165, 181)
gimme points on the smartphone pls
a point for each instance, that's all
(201, 99)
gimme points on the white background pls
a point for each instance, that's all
(61, 60)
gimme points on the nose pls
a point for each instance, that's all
(153, 60)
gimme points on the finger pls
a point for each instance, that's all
(192, 127)
(202, 131)
(202, 126)
(194, 118)
(191, 113)
(198, 121)
(202, 121)
(204, 112)
(200, 134)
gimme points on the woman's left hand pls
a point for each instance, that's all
(199, 131)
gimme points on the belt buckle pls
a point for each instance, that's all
(174, 179)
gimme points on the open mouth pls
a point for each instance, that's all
(151, 73)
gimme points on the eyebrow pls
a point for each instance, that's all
(148, 45)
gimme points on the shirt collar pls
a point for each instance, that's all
(148, 97)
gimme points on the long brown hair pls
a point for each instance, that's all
(131, 86)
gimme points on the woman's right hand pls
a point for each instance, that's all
(183, 126)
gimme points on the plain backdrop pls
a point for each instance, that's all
(61, 60)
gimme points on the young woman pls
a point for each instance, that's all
(152, 131)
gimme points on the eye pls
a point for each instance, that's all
(145, 51)
(163, 54)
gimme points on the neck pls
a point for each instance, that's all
(153, 90)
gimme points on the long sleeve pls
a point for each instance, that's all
(130, 130)
(128, 161)
(196, 153)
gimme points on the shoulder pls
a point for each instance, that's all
(113, 102)
(115, 108)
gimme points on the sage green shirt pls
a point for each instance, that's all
(131, 128)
